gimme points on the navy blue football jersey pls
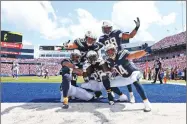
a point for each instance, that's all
(93, 72)
(122, 65)
(113, 38)
(84, 48)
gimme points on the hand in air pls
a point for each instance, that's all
(65, 45)
(137, 22)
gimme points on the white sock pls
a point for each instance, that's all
(131, 93)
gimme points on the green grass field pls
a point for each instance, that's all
(33, 79)
(56, 79)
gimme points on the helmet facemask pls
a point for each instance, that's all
(111, 53)
(92, 59)
(106, 30)
(90, 41)
(75, 57)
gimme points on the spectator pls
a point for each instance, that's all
(149, 73)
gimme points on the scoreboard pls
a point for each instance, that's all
(12, 47)
(50, 48)
(11, 37)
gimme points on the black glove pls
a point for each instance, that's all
(86, 79)
(148, 50)
(65, 45)
(137, 23)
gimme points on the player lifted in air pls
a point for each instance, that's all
(84, 44)
(120, 62)
(69, 90)
(115, 37)
(96, 74)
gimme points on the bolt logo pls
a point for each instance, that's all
(5, 37)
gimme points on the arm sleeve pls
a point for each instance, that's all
(124, 54)
(79, 42)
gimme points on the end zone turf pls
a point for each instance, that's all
(92, 113)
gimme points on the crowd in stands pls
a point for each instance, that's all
(174, 68)
(32, 68)
(173, 40)
(162, 55)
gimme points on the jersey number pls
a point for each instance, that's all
(97, 75)
(121, 70)
(83, 53)
(111, 41)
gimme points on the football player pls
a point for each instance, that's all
(115, 37)
(84, 45)
(75, 58)
(69, 90)
(96, 74)
(120, 62)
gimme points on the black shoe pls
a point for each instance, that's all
(65, 106)
(153, 82)
(98, 94)
(92, 99)
(161, 83)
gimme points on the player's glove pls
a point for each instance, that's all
(137, 23)
(148, 50)
(65, 45)
(86, 79)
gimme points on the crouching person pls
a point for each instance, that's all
(69, 90)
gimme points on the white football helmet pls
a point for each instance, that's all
(92, 57)
(76, 56)
(107, 27)
(90, 38)
(111, 51)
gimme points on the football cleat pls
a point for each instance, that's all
(132, 98)
(147, 105)
(111, 102)
(123, 98)
(65, 106)
(101, 97)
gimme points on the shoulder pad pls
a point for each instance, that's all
(117, 31)
(97, 46)
(123, 53)
(101, 61)
(101, 37)
(65, 60)
(79, 42)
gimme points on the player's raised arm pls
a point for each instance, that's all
(126, 36)
(67, 63)
(71, 46)
(68, 46)
(136, 55)
(139, 54)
